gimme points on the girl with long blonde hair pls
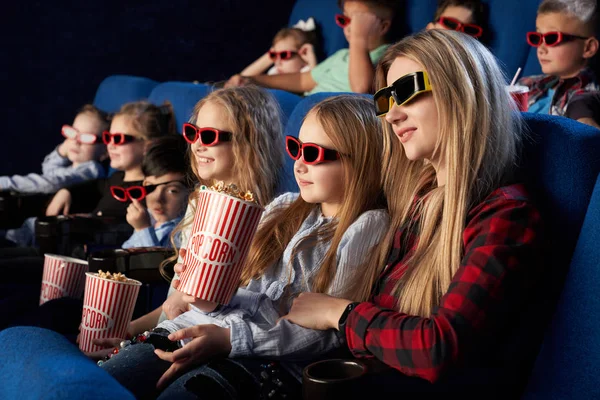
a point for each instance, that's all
(463, 238)
(316, 241)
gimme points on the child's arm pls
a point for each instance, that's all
(249, 338)
(298, 82)
(361, 71)
(56, 160)
(258, 67)
(145, 322)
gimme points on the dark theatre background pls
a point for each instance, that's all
(55, 53)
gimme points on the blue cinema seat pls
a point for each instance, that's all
(116, 90)
(566, 365)
(44, 365)
(182, 95)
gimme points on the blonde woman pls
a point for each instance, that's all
(464, 238)
(313, 241)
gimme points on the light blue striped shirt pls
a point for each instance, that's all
(253, 312)
(57, 173)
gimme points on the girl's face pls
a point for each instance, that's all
(322, 183)
(169, 199)
(295, 63)
(214, 162)
(129, 155)
(77, 152)
(416, 122)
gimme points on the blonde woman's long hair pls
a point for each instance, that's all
(257, 145)
(351, 125)
(478, 139)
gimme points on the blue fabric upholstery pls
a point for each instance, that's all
(116, 90)
(287, 101)
(41, 364)
(323, 11)
(560, 163)
(182, 95)
(566, 365)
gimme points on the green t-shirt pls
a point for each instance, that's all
(332, 74)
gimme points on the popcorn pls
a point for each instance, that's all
(231, 190)
(117, 276)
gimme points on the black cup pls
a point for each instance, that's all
(332, 379)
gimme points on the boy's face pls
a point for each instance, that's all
(168, 200)
(567, 58)
(462, 14)
(295, 63)
(354, 9)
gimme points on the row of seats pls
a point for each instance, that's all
(559, 163)
(508, 22)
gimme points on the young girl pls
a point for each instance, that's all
(76, 159)
(316, 241)
(252, 157)
(439, 296)
(131, 129)
(293, 50)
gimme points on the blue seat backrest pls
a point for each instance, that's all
(116, 90)
(560, 163)
(287, 102)
(182, 95)
(44, 365)
(323, 11)
(507, 23)
(570, 354)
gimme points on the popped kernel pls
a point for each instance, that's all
(117, 276)
(231, 190)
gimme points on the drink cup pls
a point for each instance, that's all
(520, 95)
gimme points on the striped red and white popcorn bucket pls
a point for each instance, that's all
(107, 309)
(220, 238)
(63, 277)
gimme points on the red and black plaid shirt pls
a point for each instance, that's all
(565, 89)
(501, 239)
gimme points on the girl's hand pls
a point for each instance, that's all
(109, 345)
(317, 311)
(137, 216)
(307, 53)
(174, 305)
(63, 148)
(60, 204)
(204, 305)
(209, 341)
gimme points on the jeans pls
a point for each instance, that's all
(138, 369)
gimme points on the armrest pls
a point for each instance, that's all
(137, 263)
(16, 207)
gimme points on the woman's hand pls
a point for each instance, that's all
(317, 311)
(204, 305)
(137, 216)
(60, 204)
(208, 342)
